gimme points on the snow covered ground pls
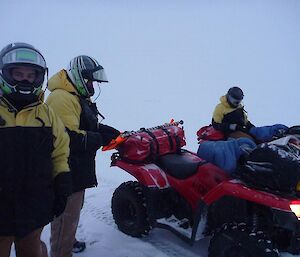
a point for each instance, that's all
(165, 59)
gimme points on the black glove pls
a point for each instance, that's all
(108, 130)
(94, 140)
(108, 133)
(62, 189)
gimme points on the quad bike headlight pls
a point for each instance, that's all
(295, 207)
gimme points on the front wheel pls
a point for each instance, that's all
(235, 240)
(129, 209)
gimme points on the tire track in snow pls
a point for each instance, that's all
(102, 214)
(163, 241)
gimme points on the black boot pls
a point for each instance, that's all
(78, 247)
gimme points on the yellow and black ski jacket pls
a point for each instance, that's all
(224, 115)
(80, 117)
(34, 148)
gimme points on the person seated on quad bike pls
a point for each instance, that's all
(230, 121)
(229, 115)
(232, 137)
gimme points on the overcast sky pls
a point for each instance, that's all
(172, 59)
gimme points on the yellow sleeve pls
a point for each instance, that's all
(218, 114)
(60, 154)
(67, 107)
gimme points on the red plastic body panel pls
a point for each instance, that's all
(208, 184)
(197, 186)
(237, 189)
(149, 175)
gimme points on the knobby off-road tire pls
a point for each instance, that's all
(235, 240)
(129, 209)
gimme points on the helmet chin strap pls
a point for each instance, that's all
(47, 84)
(99, 91)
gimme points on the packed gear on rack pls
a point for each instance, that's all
(147, 144)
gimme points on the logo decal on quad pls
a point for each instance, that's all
(157, 175)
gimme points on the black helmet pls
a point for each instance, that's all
(20, 55)
(234, 96)
(82, 69)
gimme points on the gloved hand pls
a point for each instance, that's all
(108, 129)
(94, 141)
(62, 189)
(107, 137)
(108, 133)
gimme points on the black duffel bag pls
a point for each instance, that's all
(271, 166)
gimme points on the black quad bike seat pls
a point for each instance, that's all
(179, 166)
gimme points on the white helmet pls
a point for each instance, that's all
(82, 69)
(17, 55)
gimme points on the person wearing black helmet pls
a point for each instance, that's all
(71, 90)
(34, 178)
(229, 115)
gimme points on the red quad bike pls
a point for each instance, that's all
(178, 191)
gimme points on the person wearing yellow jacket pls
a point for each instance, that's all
(71, 90)
(34, 177)
(229, 115)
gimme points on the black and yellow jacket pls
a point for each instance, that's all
(224, 115)
(79, 116)
(34, 151)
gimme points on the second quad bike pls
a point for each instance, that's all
(193, 198)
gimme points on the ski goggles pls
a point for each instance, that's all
(234, 101)
(24, 55)
(96, 74)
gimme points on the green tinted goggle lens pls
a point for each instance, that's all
(23, 55)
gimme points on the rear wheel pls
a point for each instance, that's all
(235, 240)
(129, 209)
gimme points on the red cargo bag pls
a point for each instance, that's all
(209, 133)
(148, 145)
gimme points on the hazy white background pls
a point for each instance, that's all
(165, 59)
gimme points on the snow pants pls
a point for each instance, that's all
(28, 246)
(63, 228)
